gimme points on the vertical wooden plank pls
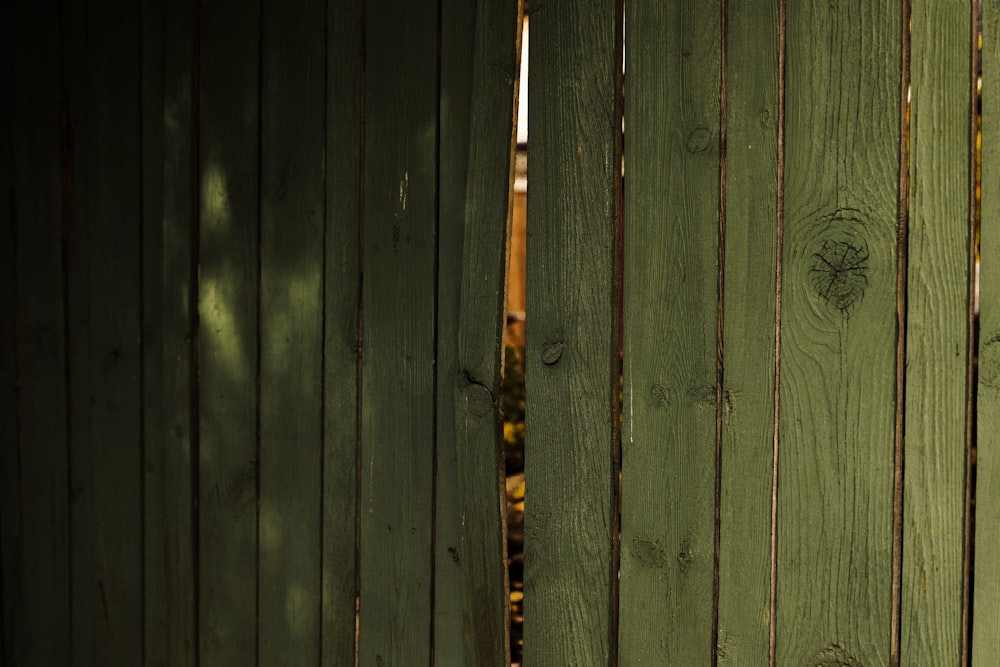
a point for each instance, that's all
(752, 69)
(105, 317)
(293, 87)
(10, 510)
(477, 421)
(986, 581)
(671, 317)
(43, 463)
(571, 359)
(397, 428)
(458, 20)
(838, 338)
(937, 333)
(227, 337)
(168, 198)
(341, 344)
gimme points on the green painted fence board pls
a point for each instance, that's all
(105, 317)
(340, 344)
(986, 576)
(41, 361)
(293, 89)
(169, 297)
(838, 337)
(228, 332)
(571, 359)
(937, 334)
(751, 235)
(671, 316)
(398, 373)
(457, 43)
(476, 385)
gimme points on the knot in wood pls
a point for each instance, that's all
(698, 139)
(478, 400)
(839, 273)
(551, 351)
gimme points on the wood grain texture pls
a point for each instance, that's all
(458, 20)
(671, 316)
(571, 360)
(293, 98)
(748, 326)
(986, 581)
(105, 294)
(937, 334)
(839, 328)
(397, 428)
(476, 385)
(228, 333)
(42, 465)
(169, 193)
(342, 284)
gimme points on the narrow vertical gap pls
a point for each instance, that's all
(140, 67)
(259, 279)
(360, 338)
(194, 278)
(67, 222)
(780, 242)
(617, 320)
(12, 649)
(901, 287)
(322, 335)
(435, 394)
(972, 330)
(720, 331)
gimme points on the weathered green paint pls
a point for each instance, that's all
(41, 361)
(102, 72)
(671, 316)
(838, 337)
(398, 372)
(228, 332)
(937, 333)
(986, 576)
(291, 330)
(476, 384)
(168, 277)
(751, 236)
(572, 360)
(340, 345)
(457, 43)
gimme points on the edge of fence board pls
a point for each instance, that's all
(937, 321)
(228, 333)
(571, 361)
(986, 577)
(752, 73)
(836, 462)
(342, 289)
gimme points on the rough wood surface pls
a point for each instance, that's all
(228, 334)
(476, 385)
(398, 372)
(937, 334)
(671, 316)
(751, 236)
(42, 465)
(168, 277)
(103, 73)
(293, 88)
(340, 344)
(986, 582)
(835, 490)
(571, 361)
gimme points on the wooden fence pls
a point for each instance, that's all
(252, 309)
